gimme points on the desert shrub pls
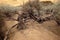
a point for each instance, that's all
(37, 9)
(8, 10)
(57, 13)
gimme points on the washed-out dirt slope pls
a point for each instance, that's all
(48, 30)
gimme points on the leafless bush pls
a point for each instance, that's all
(38, 9)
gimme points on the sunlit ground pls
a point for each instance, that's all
(18, 2)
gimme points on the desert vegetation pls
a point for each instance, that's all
(35, 10)
(6, 13)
